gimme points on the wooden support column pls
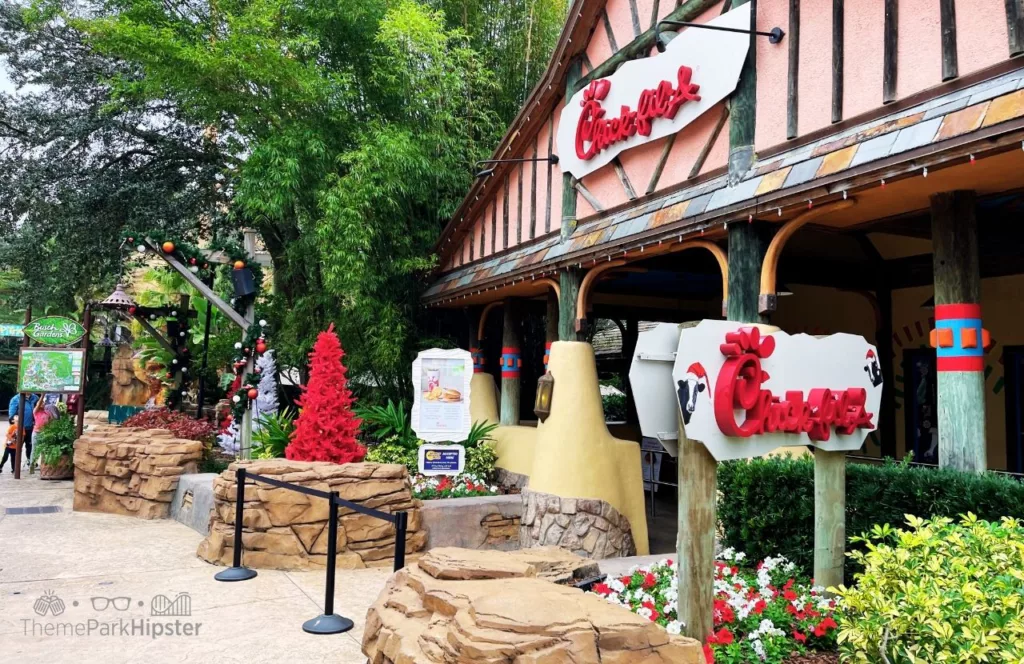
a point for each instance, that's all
(569, 278)
(569, 283)
(746, 253)
(511, 364)
(550, 326)
(829, 517)
(960, 379)
(743, 107)
(695, 547)
(628, 349)
(890, 41)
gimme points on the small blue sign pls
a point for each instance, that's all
(442, 459)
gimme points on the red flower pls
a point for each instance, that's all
(802, 638)
(760, 606)
(721, 637)
(626, 580)
(654, 611)
(789, 584)
(709, 656)
(650, 581)
(602, 589)
(723, 613)
(790, 595)
(825, 625)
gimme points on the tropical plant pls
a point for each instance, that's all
(274, 434)
(481, 460)
(479, 433)
(390, 421)
(938, 591)
(55, 440)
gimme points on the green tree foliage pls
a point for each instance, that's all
(344, 132)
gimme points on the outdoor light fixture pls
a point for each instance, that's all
(551, 159)
(118, 299)
(662, 39)
(545, 390)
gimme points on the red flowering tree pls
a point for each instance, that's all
(326, 427)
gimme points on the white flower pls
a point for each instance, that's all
(674, 627)
(616, 585)
(644, 612)
(759, 649)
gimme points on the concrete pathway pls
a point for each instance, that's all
(100, 573)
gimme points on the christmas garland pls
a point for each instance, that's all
(254, 344)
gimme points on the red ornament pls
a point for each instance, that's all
(239, 265)
(192, 261)
(326, 429)
(131, 239)
(246, 351)
(131, 310)
(206, 266)
(168, 247)
(253, 393)
(261, 347)
(170, 375)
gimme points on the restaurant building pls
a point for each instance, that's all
(850, 167)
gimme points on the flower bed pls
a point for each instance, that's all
(763, 614)
(466, 485)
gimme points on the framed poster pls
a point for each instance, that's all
(58, 370)
(440, 410)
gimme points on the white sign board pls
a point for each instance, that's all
(440, 409)
(743, 393)
(653, 97)
(442, 459)
(650, 376)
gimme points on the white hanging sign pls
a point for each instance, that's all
(743, 393)
(653, 97)
(440, 410)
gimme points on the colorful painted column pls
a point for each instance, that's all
(959, 338)
(511, 364)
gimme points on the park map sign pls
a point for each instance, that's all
(52, 370)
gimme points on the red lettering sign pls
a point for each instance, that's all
(739, 388)
(594, 133)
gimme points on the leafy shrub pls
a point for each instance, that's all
(54, 440)
(480, 460)
(274, 434)
(391, 450)
(937, 592)
(180, 424)
(766, 506)
(614, 407)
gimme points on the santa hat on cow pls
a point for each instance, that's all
(870, 355)
(697, 370)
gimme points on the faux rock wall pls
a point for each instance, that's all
(492, 607)
(590, 528)
(133, 472)
(481, 522)
(284, 529)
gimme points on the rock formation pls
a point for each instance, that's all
(133, 472)
(492, 607)
(284, 529)
(590, 528)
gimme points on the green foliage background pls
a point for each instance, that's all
(344, 132)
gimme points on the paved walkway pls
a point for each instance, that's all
(71, 564)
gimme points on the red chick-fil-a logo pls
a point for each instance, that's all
(739, 387)
(594, 133)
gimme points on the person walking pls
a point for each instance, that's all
(10, 445)
(12, 413)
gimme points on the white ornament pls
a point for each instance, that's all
(174, 313)
(193, 269)
(152, 317)
(263, 323)
(238, 345)
(182, 333)
(141, 248)
(236, 398)
(184, 370)
(174, 361)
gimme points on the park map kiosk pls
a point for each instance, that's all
(50, 368)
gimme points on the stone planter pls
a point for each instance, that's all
(481, 522)
(63, 470)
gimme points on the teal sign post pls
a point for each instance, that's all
(54, 331)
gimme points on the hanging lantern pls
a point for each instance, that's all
(118, 299)
(545, 392)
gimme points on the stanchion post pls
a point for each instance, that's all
(237, 572)
(329, 623)
(401, 526)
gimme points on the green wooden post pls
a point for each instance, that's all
(960, 394)
(746, 252)
(743, 109)
(511, 354)
(829, 517)
(569, 278)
